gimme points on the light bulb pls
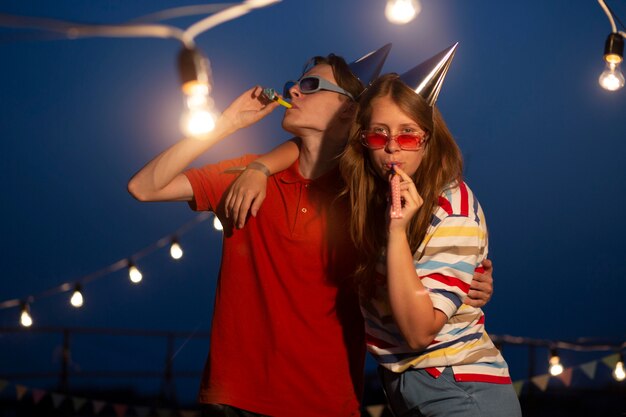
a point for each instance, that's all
(217, 224)
(176, 251)
(611, 78)
(134, 274)
(618, 373)
(25, 319)
(555, 366)
(197, 121)
(401, 12)
(77, 299)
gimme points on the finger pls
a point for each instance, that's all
(227, 203)
(402, 174)
(488, 265)
(482, 279)
(477, 295)
(243, 210)
(483, 287)
(474, 302)
(235, 209)
(256, 204)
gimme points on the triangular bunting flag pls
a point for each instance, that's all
(20, 390)
(611, 360)
(517, 386)
(98, 406)
(566, 376)
(120, 409)
(3, 384)
(38, 395)
(163, 412)
(57, 399)
(589, 369)
(78, 402)
(375, 410)
(541, 381)
(142, 411)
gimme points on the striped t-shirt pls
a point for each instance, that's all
(454, 245)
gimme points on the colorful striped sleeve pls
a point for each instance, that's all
(448, 260)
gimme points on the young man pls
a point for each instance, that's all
(287, 334)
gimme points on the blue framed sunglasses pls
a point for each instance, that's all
(312, 84)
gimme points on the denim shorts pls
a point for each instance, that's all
(415, 393)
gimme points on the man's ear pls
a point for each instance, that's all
(348, 110)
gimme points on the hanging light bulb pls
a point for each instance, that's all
(25, 318)
(198, 118)
(134, 274)
(555, 367)
(618, 373)
(401, 12)
(217, 224)
(612, 78)
(77, 297)
(175, 250)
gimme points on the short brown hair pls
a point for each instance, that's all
(341, 71)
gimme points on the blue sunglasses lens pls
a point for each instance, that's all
(309, 85)
(286, 88)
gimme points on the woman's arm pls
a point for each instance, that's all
(248, 191)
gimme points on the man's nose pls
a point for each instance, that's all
(294, 91)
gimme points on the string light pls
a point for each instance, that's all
(612, 78)
(25, 318)
(176, 251)
(217, 224)
(134, 274)
(618, 373)
(195, 74)
(77, 297)
(555, 367)
(401, 12)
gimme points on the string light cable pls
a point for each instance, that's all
(222, 13)
(77, 285)
(199, 115)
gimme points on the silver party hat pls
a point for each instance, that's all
(427, 78)
(368, 67)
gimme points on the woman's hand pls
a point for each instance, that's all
(247, 192)
(411, 202)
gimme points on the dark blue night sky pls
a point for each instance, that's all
(544, 145)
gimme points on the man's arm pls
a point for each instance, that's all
(162, 180)
(481, 287)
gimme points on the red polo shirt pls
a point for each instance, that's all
(287, 333)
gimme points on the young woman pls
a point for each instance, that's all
(416, 266)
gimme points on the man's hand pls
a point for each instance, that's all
(248, 108)
(481, 288)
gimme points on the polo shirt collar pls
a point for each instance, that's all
(329, 180)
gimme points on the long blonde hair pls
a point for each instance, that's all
(367, 192)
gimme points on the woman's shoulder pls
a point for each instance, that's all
(457, 199)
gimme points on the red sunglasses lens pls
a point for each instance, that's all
(408, 141)
(375, 140)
